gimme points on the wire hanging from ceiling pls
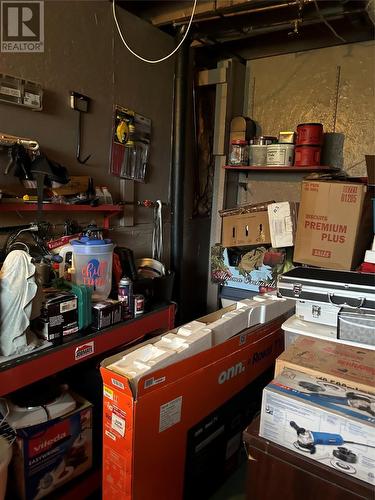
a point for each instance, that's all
(324, 20)
(152, 61)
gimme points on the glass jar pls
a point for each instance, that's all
(239, 152)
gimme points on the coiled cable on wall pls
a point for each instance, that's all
(152, 61)
(157, 234)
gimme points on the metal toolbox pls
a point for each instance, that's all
(357, 325)
(337, 288)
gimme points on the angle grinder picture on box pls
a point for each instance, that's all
(324, 421)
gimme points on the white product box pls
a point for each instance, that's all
(317, 312)
(294, 327)
(323, 421)
(282, 219)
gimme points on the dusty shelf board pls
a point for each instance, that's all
(281, 169)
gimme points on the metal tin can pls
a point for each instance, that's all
(125, 296)
(139, 304)
(309, 134)
(263, 140)
(280, 155)
(258, 155)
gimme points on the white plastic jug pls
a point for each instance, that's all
(91, 264)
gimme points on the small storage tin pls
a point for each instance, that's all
(280, 155)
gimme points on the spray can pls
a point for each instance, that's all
(125, 296)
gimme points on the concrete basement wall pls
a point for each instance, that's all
(285, 90)
(84, 53)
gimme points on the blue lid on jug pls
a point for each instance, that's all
(85, 240)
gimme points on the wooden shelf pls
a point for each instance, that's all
(25, 370)
(108, 210)
(280, 169)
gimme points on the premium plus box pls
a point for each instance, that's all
(52, 453)
(335, 363)
(328, 423)
(334, 221)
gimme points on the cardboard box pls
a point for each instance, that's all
(145, 428)
(58, 316)
(338, 364)
(52, 453)
(106, 313)
(246, 229)
(256, 268)
(321, 420)
(282, 219)
(333, 229)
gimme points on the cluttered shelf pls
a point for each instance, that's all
(58, 207)
(108, 210)
(318, 168)
(17, 373)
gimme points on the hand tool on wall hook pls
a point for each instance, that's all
(80, 103)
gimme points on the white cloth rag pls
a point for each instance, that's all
(17, 290)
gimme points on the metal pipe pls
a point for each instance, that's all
(178, 162)
(225, 13)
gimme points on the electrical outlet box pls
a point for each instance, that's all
(79, 102)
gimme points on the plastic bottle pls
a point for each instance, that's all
(100, 195)
(107, 196)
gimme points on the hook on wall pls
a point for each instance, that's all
(80, 103)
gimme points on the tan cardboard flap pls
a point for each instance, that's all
(246, 229)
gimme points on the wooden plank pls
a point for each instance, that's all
(212, 76)
(229, 103)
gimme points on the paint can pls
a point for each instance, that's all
(139, 304)
(280, 155)
(125, 296)
(307, 156)
(309, 134)
(258, 155)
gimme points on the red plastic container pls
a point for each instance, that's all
(309, 134)
(307, 156)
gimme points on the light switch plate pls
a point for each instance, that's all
(79, 102)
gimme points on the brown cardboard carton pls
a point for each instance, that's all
(331, 362)
(333, 229)
(246, 229)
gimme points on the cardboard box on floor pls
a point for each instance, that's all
(145, 427)
(334, 221)
(339, 364)
(330, 426)
(246, 229)
(52, 453)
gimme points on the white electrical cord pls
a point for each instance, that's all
(157, 234)
(152, 61)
